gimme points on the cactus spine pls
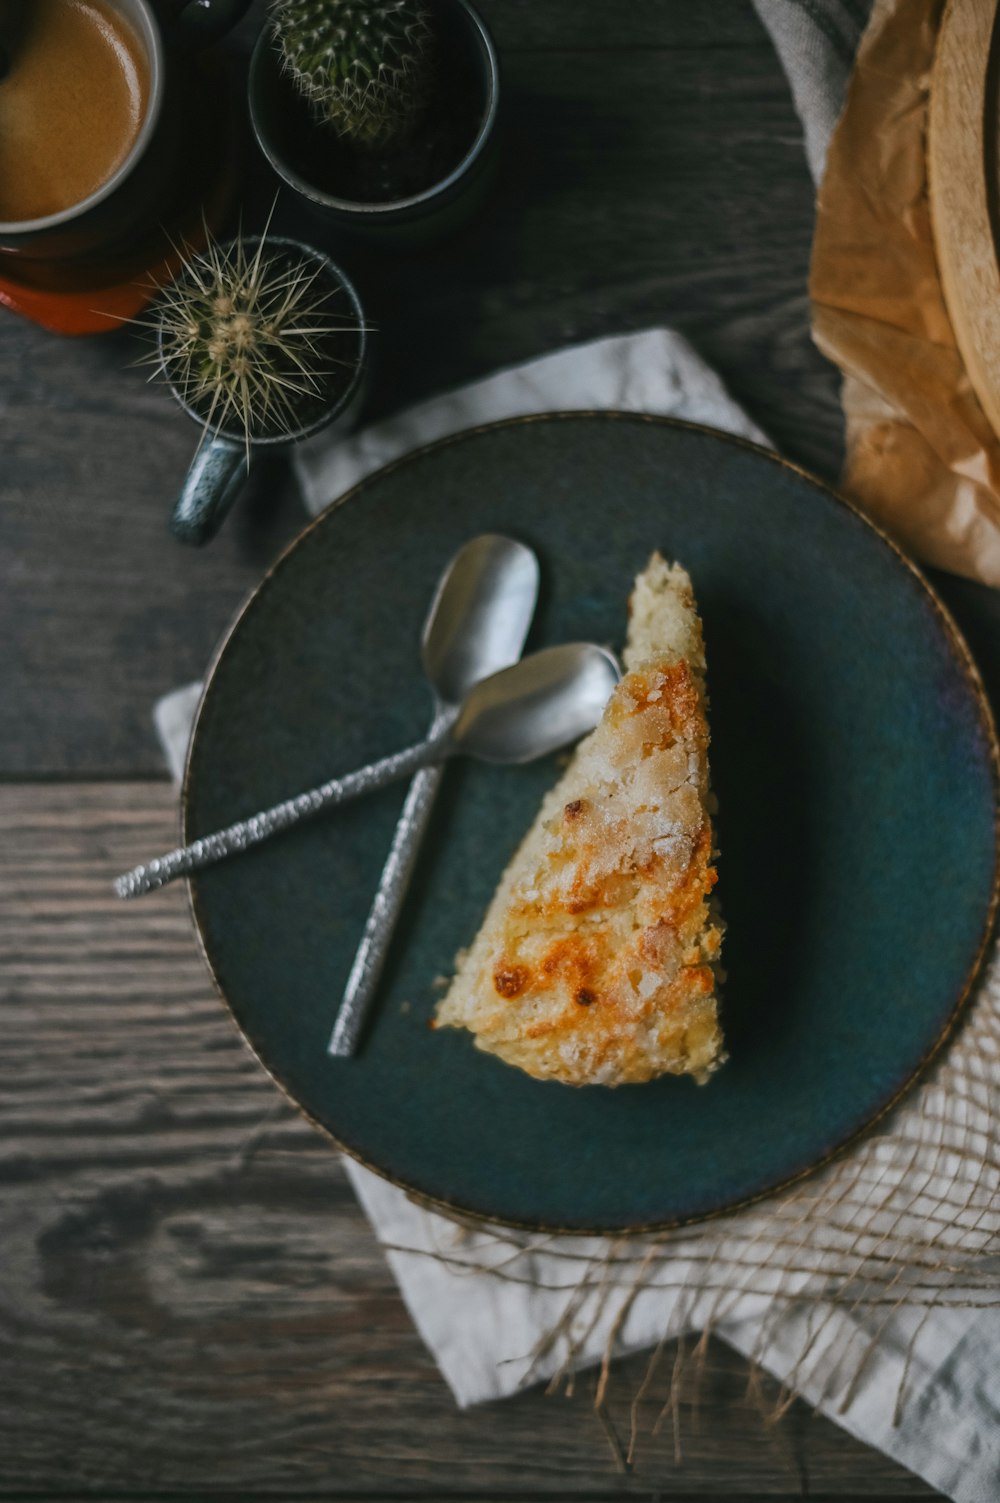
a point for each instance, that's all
(249, 335)
(365, 65)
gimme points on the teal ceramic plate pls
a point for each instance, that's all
(854, 759)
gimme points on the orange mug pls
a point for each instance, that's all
(83, 243)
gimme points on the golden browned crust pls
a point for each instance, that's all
(595, 961)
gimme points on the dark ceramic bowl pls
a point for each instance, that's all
(311, 162)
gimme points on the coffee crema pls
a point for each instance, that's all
(71, 106)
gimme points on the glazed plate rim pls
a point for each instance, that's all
(964, 663)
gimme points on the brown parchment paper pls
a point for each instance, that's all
(921, 455)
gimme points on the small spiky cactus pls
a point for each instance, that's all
(364, 65)
(251, 336)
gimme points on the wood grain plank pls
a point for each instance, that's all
(590, 25)
(588, 1496)
(653, 183)
(507, 1496)
(190, 1299)
(569, 26)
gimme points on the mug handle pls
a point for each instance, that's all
(213, 482)
(196, 23)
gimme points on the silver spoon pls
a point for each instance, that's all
(521, 713)
(477, 624)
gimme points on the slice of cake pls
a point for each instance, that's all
(595, 963)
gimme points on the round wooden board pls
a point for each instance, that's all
(963, 188)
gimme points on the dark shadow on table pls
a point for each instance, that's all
(976, 609)
(762, 776)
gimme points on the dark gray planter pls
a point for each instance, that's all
(222, 460)
(323, 174)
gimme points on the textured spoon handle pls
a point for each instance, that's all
(247, 832)
(385, 911)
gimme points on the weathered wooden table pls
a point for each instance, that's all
(190, 1300)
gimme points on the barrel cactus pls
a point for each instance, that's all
(365, 65)
(254, 336)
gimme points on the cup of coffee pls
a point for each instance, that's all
(85, 135)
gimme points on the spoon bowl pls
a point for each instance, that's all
(540, 704)
(480, 615)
